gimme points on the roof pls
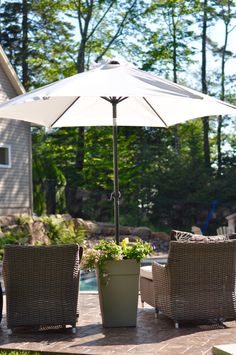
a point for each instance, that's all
(10, 73)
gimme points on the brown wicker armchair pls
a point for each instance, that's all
(197, 283)
(42, 284)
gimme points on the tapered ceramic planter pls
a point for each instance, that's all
(118, 293)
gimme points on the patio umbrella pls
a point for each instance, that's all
(91, 98)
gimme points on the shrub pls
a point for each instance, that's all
(63, 232)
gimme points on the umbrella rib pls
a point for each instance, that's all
(155, 111)
(114, 99)
(77, 98)
(106, 98)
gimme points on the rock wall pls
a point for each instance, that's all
(34, 227)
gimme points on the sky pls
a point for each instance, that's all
(217, 34)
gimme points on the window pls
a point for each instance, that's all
(5, 156)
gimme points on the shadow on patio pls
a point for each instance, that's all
(151, 336)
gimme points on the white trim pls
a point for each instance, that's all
(10, 73)
(8, 147)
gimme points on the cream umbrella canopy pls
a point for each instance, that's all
(113, 94)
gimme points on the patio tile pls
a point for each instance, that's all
(151, 336)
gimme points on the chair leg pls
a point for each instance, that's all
(156, 312)
(220, 321)
(73, 330)
(176, 325)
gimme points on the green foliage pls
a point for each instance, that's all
(46, 173)
(57, 230)
(23, 219)
(137, 250)
(168, 37)
(17, 237)
(11, 30)
(63, 232)
(43, 45)
(109, 250)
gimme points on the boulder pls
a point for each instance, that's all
(142, 232)
(8, 220)
(34, 230)
(37, 233)
(12, 228)
(65, 217)
(160, 235)
(89, 226)
(125, 231)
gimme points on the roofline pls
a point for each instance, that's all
(10, 72)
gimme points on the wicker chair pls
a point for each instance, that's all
(42, 284)
(197, 283)
(1, 302)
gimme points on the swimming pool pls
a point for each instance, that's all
(88, 281)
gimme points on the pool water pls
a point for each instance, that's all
(88, 281)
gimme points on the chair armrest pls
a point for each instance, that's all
(158, 266)
(159, 273)
(161, 285)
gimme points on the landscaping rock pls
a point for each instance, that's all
(8, 220)
(160, 235)
(12, 228)
(37, 233)
(142, 232)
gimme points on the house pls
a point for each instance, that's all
(15, 149)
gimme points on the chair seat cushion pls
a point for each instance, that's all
(146, 271)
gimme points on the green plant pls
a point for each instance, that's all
(17, 237)
(23, 219)
(109, 250)
(63, 232)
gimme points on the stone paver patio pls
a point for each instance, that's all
(151, 336)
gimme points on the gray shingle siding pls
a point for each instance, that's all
(15, 181)
(6, 89)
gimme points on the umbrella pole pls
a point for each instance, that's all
(115, 169)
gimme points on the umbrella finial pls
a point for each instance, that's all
(114, 61)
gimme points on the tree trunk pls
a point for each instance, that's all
(206, 145)
(174, 59)
(219, 152)
(87, 29)
(205, 120)
(51, 196)
(25, 29)
(222, 96)
(74, 200)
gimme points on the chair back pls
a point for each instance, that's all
(41, 284)
(202, 275)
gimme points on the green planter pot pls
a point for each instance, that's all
(118, 293)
